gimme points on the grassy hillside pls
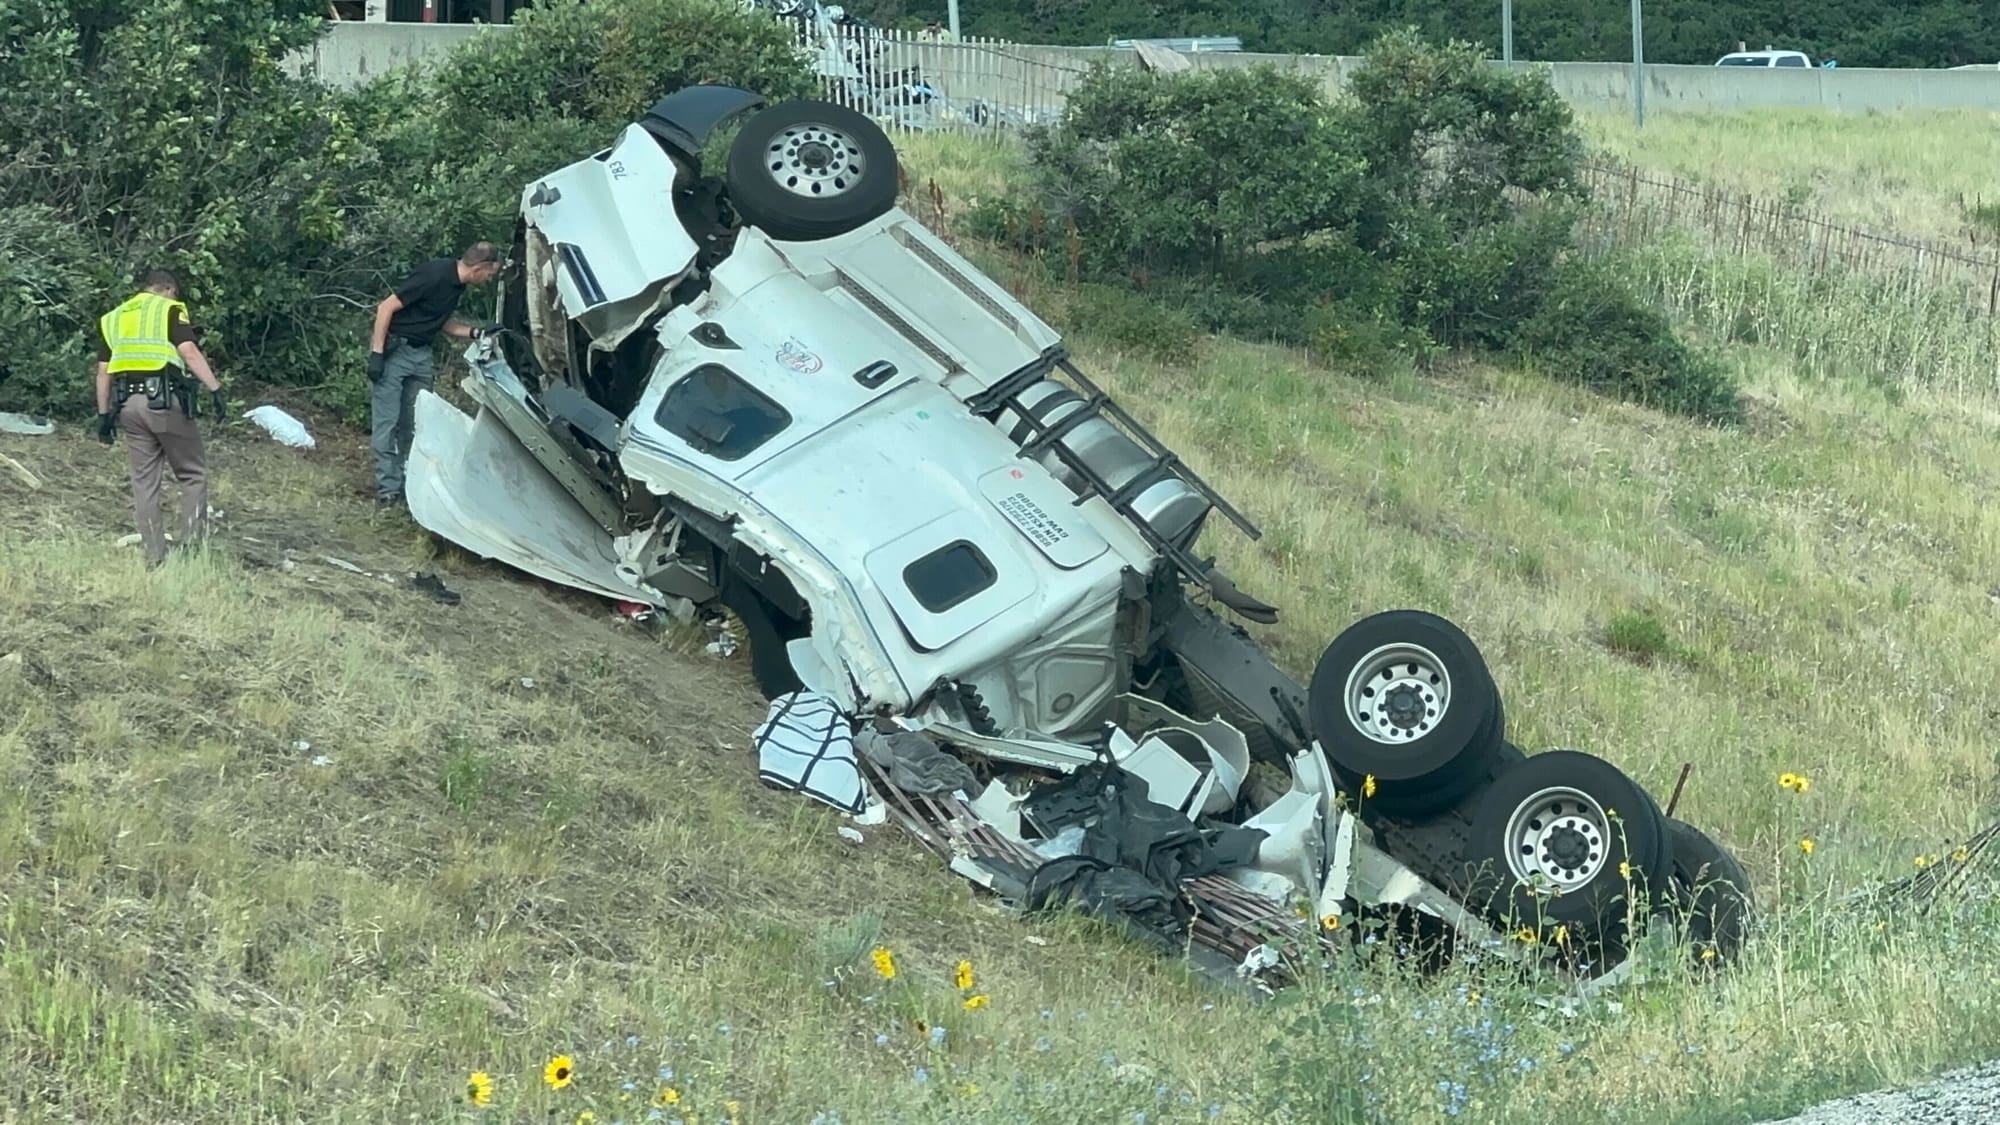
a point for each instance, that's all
(290, 843)
(1925, 174)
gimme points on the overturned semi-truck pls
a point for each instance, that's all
(773, 394)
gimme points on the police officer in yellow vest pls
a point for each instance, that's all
(145, 350)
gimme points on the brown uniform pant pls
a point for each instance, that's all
(157, 440)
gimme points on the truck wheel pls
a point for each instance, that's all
(808, 170)
(1557, 836)
(1404, 696)
(1712, 892)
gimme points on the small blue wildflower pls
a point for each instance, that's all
(922, 1076)
(1566, 1048)
(1048, 1015)
(628, 1087)
(1214, 1110)
(1526, 1065)
(1139, 1117)
(1187, 1099)
(881, 1040)
(937, 1036)
(1109, 1060)
(1043, 1044)
(726, 1030)
(666, 1074)
(631, 1041)
(656, 1115)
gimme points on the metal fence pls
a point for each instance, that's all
(1636, 207)
(912, 81)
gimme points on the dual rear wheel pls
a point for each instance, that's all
(1561, 842)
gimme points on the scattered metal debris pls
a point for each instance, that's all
(342, 564)
(1935, 880)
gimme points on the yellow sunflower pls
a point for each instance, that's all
(885, 962)
(666, 1097)
(560, 1071)
(974, 1003)
(479, 1088)
(963, 977)
(1806, 845)
(1368, 786)
(1788, 781)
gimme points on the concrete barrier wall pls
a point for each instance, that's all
(1022, 75)
(351, 53)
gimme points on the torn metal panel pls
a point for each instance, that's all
(470, 481)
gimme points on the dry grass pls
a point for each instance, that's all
(1923, 173)
(197, 922)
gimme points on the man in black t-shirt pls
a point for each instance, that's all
(399, 352)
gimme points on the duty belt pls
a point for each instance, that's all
(160, 389)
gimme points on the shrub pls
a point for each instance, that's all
(1433, 204)
(1591, 329)
(1193, 172)
(286, 208)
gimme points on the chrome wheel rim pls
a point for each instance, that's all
(1558, 839)
(1397, 694)
(815, 161)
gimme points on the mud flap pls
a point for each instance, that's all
(471, 481)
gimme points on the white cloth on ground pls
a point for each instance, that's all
(805, 744)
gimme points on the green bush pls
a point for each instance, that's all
(1590, 328)
(1432, 205)
(162, 134)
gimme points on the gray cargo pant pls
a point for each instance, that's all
(158, 440)
(392, 405)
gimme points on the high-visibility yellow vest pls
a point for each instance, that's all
(137, 333)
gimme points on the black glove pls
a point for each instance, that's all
(104, 427)
(375, 362)
(216, 396)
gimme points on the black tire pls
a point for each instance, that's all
(1712, 893)
(1424, 660)
(1611, 822)
(1419, 802)
(806, 170)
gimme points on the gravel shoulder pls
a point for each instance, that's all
(1962, 1097)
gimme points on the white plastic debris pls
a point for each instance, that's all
(528, 682)
(1257, 960)
(26, 425)
(302, 746)
(852, 835)
(282, 426)
(321, 760)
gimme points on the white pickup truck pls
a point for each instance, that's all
(774, 392)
